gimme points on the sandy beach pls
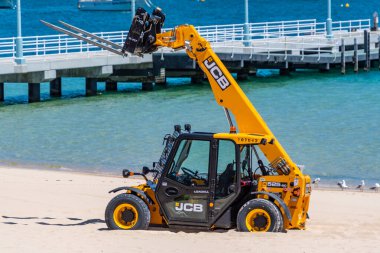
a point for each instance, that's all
(49, 211)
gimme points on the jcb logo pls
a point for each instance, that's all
(216, 73)
(189, 207)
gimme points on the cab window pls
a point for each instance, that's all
(226, 169)
(190, 165)
(246, 162)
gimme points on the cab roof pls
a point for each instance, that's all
(238, 138)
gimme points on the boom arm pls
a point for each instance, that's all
(227, 92)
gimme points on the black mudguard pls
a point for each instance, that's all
(135, 191)
(279, 200)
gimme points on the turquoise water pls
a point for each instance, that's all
(210, 12)
(327, 122)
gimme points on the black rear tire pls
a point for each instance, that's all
(128, 212)
(259, 215)
(281, 221)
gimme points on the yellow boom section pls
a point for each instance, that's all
(227, 92)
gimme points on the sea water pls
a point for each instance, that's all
(326, 121)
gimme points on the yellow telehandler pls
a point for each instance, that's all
(207, 180)
(211, 180)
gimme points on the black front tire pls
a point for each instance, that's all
(271, 217)
(142, 213)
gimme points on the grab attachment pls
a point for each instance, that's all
(143, 32)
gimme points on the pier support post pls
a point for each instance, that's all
(111, 86)
(160, 81)
(378, 39)
(242, 75)
(147, 86)
(91, 86)
(161, 78)
(1, 92)
(252, 72)
(196, 79)
(343, 58)
(56, 87)
(324, 68)
(367, 47)
(34, 92)
(356, 60)
(369, 51)
(284, 72)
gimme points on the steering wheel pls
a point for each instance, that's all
(190, 173)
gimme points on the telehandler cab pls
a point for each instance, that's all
(211, 180)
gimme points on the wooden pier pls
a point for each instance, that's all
(285, 45)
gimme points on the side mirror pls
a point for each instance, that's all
(145, 170)
(188, 128)
(154, 164)
(126, 173)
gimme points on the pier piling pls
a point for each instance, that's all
(343, 58)
(56, 87)
(367, 64)
(1, 92)
(356, 60)
(147, 86)
(196, 79)
(252, 72)
(242, 75)
(91, 86)
(284, 72)
(34, 92)
(160, 80)
(111, 86)
(378, 44)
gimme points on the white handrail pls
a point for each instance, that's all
(309, 30)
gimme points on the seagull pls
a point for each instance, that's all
(316, 181)
(342, 185)
(376, 187)
(361, 186)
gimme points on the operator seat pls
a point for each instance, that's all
(226, 179)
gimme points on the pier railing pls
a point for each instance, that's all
(55, 44)
(268, 49)
(310, 35)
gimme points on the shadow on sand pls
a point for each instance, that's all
(177, 230)
(11, 221)
(81, 223)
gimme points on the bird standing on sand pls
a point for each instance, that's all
(342, 184)
(376, 187)
(316, 181)
(361, 186)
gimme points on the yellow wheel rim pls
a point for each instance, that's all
(125, 216)
(258, 220)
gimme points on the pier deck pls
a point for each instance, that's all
(285, 45)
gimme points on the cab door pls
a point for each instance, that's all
(186, 188)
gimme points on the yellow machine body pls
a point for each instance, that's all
(251, 129)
